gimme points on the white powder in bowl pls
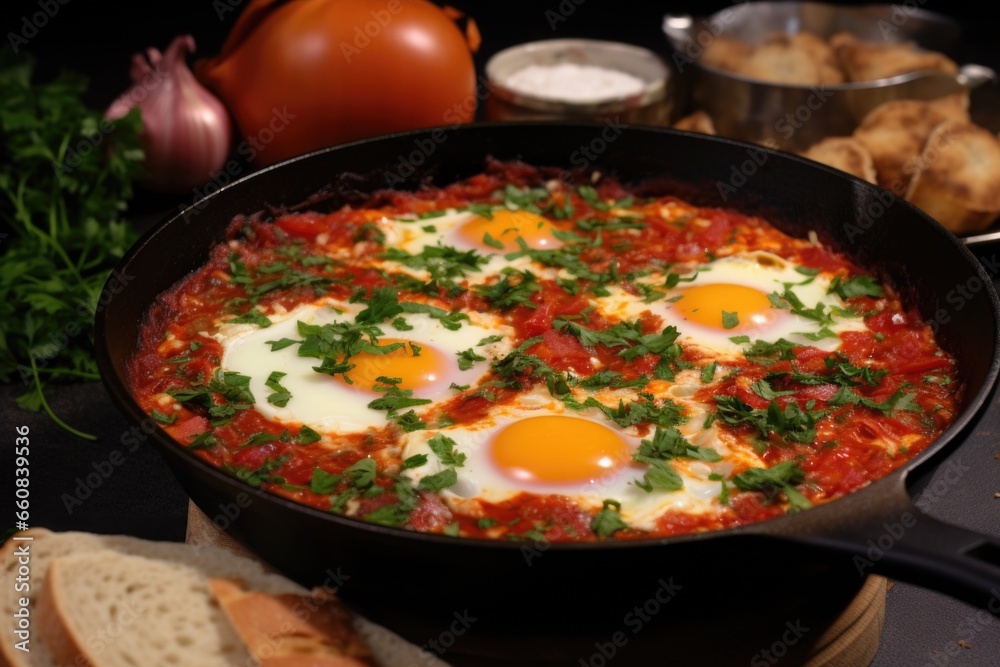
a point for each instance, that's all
(574, 83)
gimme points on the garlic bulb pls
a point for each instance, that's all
(187, 134)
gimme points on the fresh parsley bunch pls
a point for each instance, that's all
(65, 178)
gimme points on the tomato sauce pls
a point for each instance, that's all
(843, 418)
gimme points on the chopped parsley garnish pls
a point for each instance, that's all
(468, 358)
(825, 332)
(854, 287)
(667, 444)
(626, 335)
(608, 520)
(415, 461)
(444, 448)
(644, 411)
(791, 423)
(763, 389)
(442, 263)
(162, 418)
(660, 476)
(492, 242)
(730, 320)
(252, 316)
(780, 478)
(843, 373)
(900, 400)
(451, 320)
(203, 441)
(323, 482)
(708, 372)
(515, 288)
(606, 377)
(438, 481)
(234, 389)
(673, 279)
(261, 474)
(393, 398)
(764, 353)
(400, 324)
(307, 436)
(789, 300)
(362, 473)
(281, 395)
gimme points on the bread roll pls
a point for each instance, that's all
(846, 154)
(957, 178)
(895, 133)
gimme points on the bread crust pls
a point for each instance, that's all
(698, 121)
(895, 133)
(66, 647)
(292, 630)
(957, 179)
(871, 61)
(846, 154)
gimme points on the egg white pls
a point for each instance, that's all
(762, 271)
(413, 235)
(328, 405)
(481, 478)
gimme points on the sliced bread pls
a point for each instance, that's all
(110, 605)
(108, 609)
(280, 630)
(46, 546)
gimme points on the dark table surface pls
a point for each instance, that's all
(110, 486)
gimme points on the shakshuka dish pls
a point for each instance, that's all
(520, 357)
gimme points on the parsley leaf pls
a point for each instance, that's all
(393, 398)
(281, 395)
(323, 482)
(252, 316)
(780, 478)
(468, 358)
(63, 191)
(708, 372)
(791, 423)
(515, 288)
(608, 520)
(853, 287)
(444, 448)
(644, 411)
(438, 481)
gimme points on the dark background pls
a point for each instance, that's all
(98, 38)
(140, 497)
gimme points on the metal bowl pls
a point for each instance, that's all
(794, 117)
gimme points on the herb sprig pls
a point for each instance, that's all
(61, 225)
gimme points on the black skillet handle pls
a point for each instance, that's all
(910, 545)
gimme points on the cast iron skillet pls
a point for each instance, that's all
(574, 601)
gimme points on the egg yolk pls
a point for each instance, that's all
(725, 306)
(552, 448)
(416, 371)
(505, 227)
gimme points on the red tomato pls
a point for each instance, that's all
(303, 75)
(303, 225)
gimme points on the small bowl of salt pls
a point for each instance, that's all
(579, 79)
